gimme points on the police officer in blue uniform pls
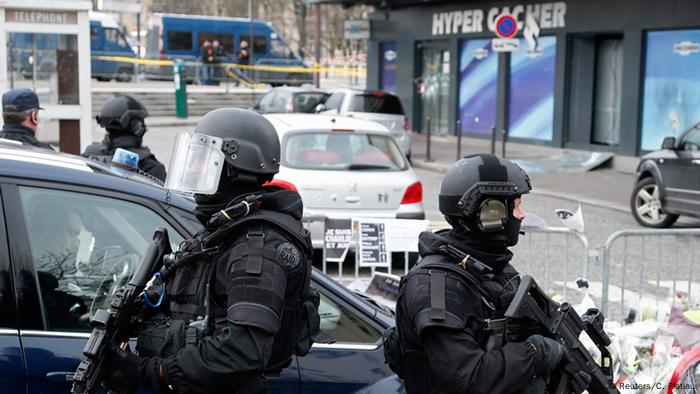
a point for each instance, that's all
(20, 113)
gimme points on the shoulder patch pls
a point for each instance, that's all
(288, 255)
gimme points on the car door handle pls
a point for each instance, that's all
(352, 199)
(60, 376)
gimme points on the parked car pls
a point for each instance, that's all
(288, 100)
(346, 167)
(72, 230)
(668, 181)
(378, 106)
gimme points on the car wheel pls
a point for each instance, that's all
(646, 205)
(124, 75)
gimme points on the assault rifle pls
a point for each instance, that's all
(113, 327)
(532, 307)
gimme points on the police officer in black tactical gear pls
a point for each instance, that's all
(464, 278)
(239, 302)
(123, 118)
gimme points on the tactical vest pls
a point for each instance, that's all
(188, 291)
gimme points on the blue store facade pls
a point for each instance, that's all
(603, 75)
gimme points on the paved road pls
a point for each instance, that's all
(549, 258)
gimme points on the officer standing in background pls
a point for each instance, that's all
(248, 285)
(20, 114)
(465, 277)
(123, 119)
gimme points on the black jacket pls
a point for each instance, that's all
(455, 355)
(256, 283)
(103, 152)
(18, 132)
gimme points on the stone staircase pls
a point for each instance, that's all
(163, 103)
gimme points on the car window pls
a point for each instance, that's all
(377, 103)
(280, 49)
(335, 101)
(343, 151)
(84, 247)
(179, 40)
(279, 103)
(691, 141)
(306, 102)
(266, 101)
(344, 324)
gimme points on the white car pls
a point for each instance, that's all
(378, 106)
(345, 168)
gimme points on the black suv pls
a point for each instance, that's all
(668, 181)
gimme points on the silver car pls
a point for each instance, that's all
(378, 106)
(345, 168)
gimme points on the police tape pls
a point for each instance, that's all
(343, 70)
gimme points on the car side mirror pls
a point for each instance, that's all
(320, 108)
(669, 143)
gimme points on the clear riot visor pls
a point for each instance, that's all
(196, 164)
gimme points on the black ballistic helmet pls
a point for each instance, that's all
(478, 192)
(123, 114)
(251, 145)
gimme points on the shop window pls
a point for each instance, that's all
(478, 80)
(179, 41)
(671, 96)
(388, 67)
(532, 90)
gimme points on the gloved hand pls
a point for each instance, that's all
(124, 368)
(579, 382)
(548, 353)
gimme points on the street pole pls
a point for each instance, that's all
(427, 145)
(251, 46)
(493, 140)
(138, 38)
(317, 46)
(302, 29)
(459, 139)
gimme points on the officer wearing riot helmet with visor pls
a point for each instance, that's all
(464, 278)
(123, 117)
(236, 310)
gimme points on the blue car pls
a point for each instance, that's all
(72, 231)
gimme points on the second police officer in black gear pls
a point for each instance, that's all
(440, 311)
(248, 286)
(123, 118)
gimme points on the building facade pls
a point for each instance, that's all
(604, 75)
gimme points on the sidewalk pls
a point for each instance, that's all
(609, 186)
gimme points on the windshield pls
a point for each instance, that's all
(376, 103)
(306, 102)
(343, 151)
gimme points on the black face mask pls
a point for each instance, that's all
(512, 231)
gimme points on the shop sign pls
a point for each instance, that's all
(545, 15)
(505, 44)
(685, 48)
(41, 17)
(356, 29)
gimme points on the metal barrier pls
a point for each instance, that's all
(672, 254)
(542, 245)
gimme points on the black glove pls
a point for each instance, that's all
(123, 375)
(579, 382)
(128, 372)
(548, 353)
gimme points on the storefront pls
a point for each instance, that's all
(610, 75)
(45, 46)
